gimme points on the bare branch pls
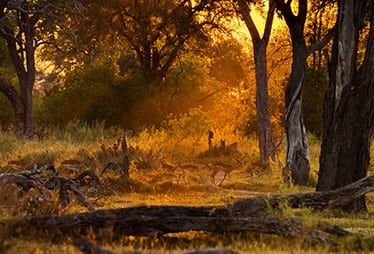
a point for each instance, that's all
(322, 43)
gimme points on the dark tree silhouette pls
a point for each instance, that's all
(22, 26)
(349, 103)
(297, 158)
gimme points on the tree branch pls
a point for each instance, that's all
(322, 43)
(269, 21)
(245, 11)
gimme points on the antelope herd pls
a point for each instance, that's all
(81, 176)
(213, 170)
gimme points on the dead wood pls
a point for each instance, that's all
(331, 199)
(66, 187)
(160, 220)
(331, 229)
(244, 215)
(36, 179)
(338, 198)
(23, 182)
(125, 158)
(119, 168)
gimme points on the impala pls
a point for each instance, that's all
(221, 167)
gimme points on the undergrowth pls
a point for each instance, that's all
(151, 184)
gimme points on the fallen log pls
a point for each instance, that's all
(244, 215)
(160, 220)
(332, 199)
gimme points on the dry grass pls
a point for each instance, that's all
(152, 185)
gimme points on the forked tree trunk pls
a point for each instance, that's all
(349, 107)
(264, 129)
(21, 48)
(297, 157)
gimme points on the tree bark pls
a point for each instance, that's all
(15, 100)
(22, 55)
(244, 215)
(297, 156)
(349, 107)
(157, 221)
(264, 129)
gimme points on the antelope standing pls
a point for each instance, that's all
(222, 167)
(189, 167)
(174, 170)
(287, 176)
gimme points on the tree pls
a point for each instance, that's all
(264, 128)
(21, 23)
(349, 103)
(150, 34)
(320, 15)
(297, 157)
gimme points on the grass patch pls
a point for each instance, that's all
(150, 184)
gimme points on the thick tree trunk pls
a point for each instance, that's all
(349, 109)
(297, 157)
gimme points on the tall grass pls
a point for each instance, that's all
(155, 187)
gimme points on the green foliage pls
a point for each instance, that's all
(6, 113)
(6, 74)
(229, 63)
(195, 124)
(81, 132)
(97, 94)
(6, 69)
(80, 94)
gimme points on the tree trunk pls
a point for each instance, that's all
(23, 61)
(264, 128)
(297, 156)
(26, 95)
(15, 100)
(349, 108)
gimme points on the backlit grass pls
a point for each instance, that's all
(150, 184)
